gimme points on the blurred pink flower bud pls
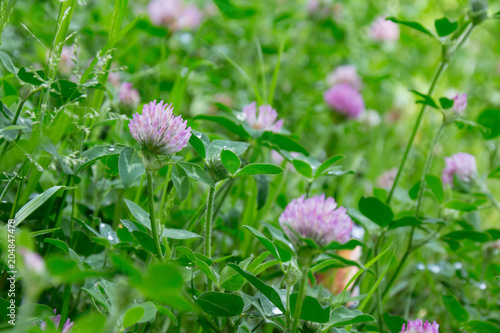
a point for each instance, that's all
(129, 96)
(164, 12)
(459, 103)
(312, 6)
(345, 100)
(189, 18)
(32, 260)
(384, 30)
(463, 165)
(66, 65)
(174, 14)
(345, 74)
(114, 79)
(386, 180)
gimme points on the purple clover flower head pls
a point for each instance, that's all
(345, 100)
(459, 103)
(416, 326)
(345, 74)
(317, 218)
(68, 325)
(384, 30)
(158, 130)
(463, 165)
(265, 119)
(129, 96)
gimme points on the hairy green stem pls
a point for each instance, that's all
(437, 76)
(152, 218)
(208, 222)
(289, 286)
(380, 307)
(302, 294)
(427, 166)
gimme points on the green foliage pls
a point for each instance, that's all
(200, 244)
(376, 210)
(220, 305)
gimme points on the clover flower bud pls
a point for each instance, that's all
(345, 74)
(384, 30)
(478, 11)
(459, 103)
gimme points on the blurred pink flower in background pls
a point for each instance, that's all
(312, 6)
(345, 100)
(164, 12)
(174, 14)
(386, 180)
(224, 99)
(265, 119)
(66, 65)
(68, 325)
(461, 164)
(345, 74)
(384, 30)
(417, 326)
(190, 18)
(114, 79)
(276, 157)
(32, 260)
(459, 103)
(129, 96)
